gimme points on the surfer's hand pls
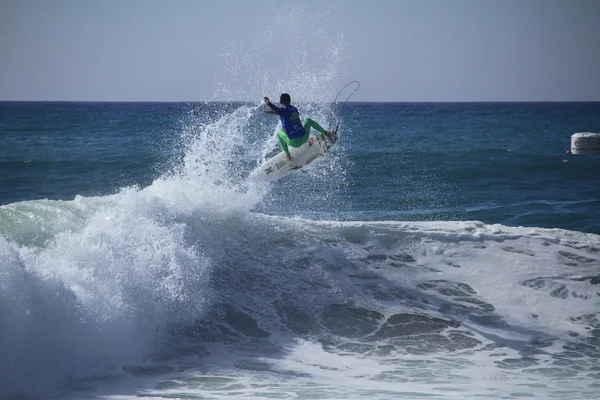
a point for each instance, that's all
(267, 101)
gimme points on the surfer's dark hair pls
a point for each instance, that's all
(285, 99)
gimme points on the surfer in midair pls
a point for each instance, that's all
(294, 133)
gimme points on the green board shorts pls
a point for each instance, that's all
(285, 141)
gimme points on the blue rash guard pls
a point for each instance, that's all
(290, 119)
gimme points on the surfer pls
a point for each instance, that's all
(294, 132)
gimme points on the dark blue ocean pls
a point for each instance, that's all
(492, 162)
(439, 250)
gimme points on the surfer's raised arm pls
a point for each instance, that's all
(273, 108)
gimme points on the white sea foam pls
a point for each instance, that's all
(515, 335)
(518, 304)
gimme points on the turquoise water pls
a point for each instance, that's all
(446, 251)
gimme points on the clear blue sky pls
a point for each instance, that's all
(400, 50)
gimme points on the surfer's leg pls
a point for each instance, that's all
(298, 141)
(283, 141)
(309, 123)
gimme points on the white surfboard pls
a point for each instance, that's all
(278, 167)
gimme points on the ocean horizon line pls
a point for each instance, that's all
(251, 102)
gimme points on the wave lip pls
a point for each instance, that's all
(97, 292)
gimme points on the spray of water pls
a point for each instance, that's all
(99, 295)
(297, 53)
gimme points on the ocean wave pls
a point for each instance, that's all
(123, 278)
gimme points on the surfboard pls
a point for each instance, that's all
(278, 167)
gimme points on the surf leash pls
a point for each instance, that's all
(345, 102)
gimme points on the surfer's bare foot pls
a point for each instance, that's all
(288, 158)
